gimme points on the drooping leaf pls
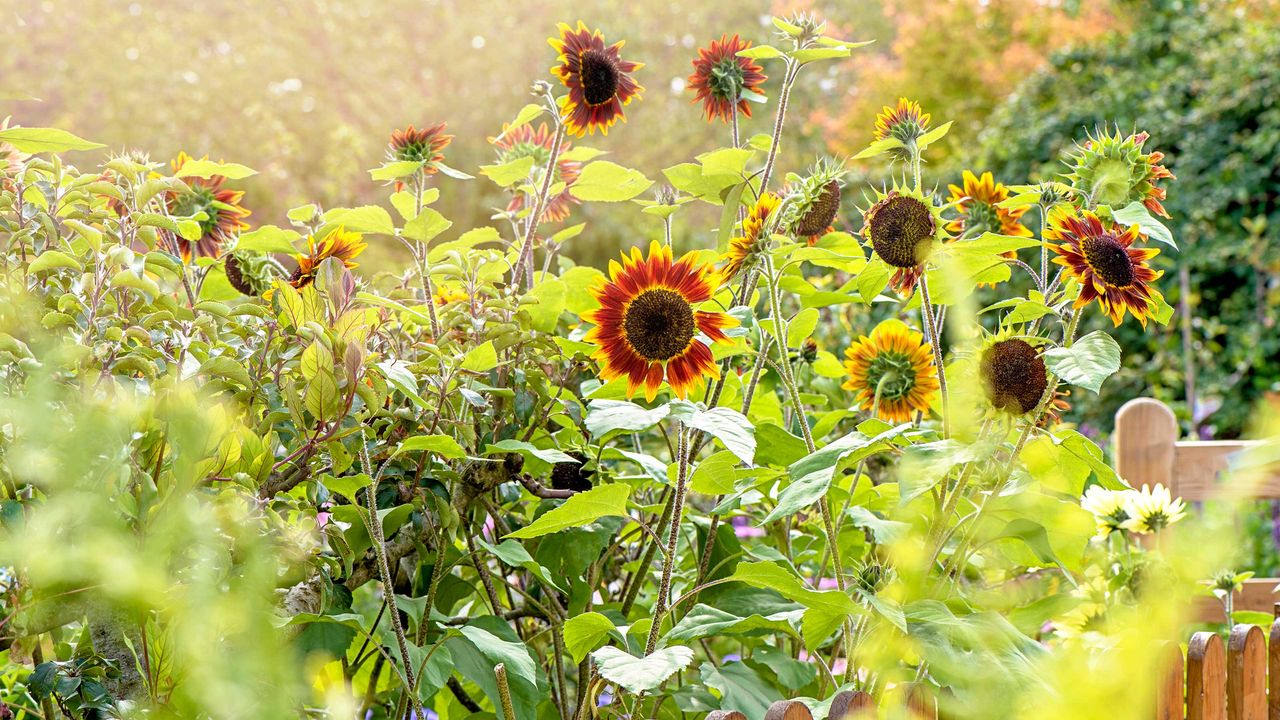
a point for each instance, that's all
(1088, 362)
(581, 509)
(641, 674)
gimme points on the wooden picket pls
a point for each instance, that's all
(1149, 451)
(1238, 679)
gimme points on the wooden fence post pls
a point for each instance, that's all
(1246, 674)
(849, 705)
(1169, 699)
(788, 710)
(1144, 436)
(1206, 678)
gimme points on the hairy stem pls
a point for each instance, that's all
(673, 538)
(525, 259)
(926, 305)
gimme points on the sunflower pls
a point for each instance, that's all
(816, 200)
(1014, 376)
(892, 372)
(337, 243)
(647, 327)
(525, 141)
(1101, 258)
(597, 77)
(250, 273)
(1152, 509)
(1108, 507)
(905, 122)
(721, 79)
(903, 228)
(224, 216)
(1112, 169)
(979, 211)
(425, 145)
(743, 250)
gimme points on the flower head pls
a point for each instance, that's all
(1108, 507)
(892, 372)
(744, 249)
(448, 294)
(1101, 257)
(816, 200)
(1152, 508)
(250, 273)
(1113, 169)
(223, 214)
(903, 228)
(906, 122)
(338, 243)
(977, 205)
(425, 145)
(1014, 376)
(722, 79)
(647, 327)
(598, 79)
(526, 141)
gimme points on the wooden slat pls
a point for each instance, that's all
(788, 710)
(921, 703)
(1206, 678)
(725, 715)
(1247, 674)
(1273, 667)
(1144, 437)
(1257, 595)
(1198, 467)
(1169, 700)
(849, 705)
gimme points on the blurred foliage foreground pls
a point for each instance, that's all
(240, 481)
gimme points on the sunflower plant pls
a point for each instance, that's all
(797, 460)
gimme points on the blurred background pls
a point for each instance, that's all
(307, 92)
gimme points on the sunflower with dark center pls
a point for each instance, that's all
(905, 122)
(1112, 169)
(250, 273)
(572, 475)
(647, 327)
(525, 141)
(1014, 376)
(337, 243)
(891, 372)
(977, 204)
(903, 228)
(744, 249)
(598, 79)
(816, 200)
(1101, 257)
(722, 80)
(223, 214)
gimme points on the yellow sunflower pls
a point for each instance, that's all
(224, 215)
(1102, 259)
(892, 372)
(337, 243)
(978, 206)
(597, 77)
(744, 249)
(647, 328)
(445, 295)
(905, 121)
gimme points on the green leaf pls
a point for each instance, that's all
(741, 688)
(608, 416)
(428, 224)
(508, 173)
(715, 475)
(639, 675)
(801, 326)
(364, 219)
(809, 55)
(586, 632)
(465, 242)
(38, 140)
(933, 135)
(206, 169)
(514, 554)
(268, 239)
(481, 359)
(825, 611)
(442, 445)
(705, 621)
(581, 509)
(726, 161)
(811, 476)
(760, 52)
(1088, 362)
(728, 426)
(52, 260)
(1135, 213)
(514, 655)
(879, 147)
(547, 300)
(604, 181)
(527, 114)
(396, 169)
(549, 455)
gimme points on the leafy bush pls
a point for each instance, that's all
(1203, 78)
(241, 480)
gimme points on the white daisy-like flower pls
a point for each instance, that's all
(1109, 508)
(1152, 509)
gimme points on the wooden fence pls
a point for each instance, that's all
(1148, 450)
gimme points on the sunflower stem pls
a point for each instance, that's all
(524, 263)
(424, 264)
(926, 305)
(784, 95)
(668, 562)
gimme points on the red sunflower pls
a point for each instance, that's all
(1109, 269)
(721, 79)
(647, 328)
(425, 145)
(524, 142)
(978, 205)
(598, 79)
(224, 216)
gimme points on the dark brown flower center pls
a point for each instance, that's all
(822, 212)
(901, 229)
(659, 324)
(1014, 376)
(1109, 260)
(599, 76)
